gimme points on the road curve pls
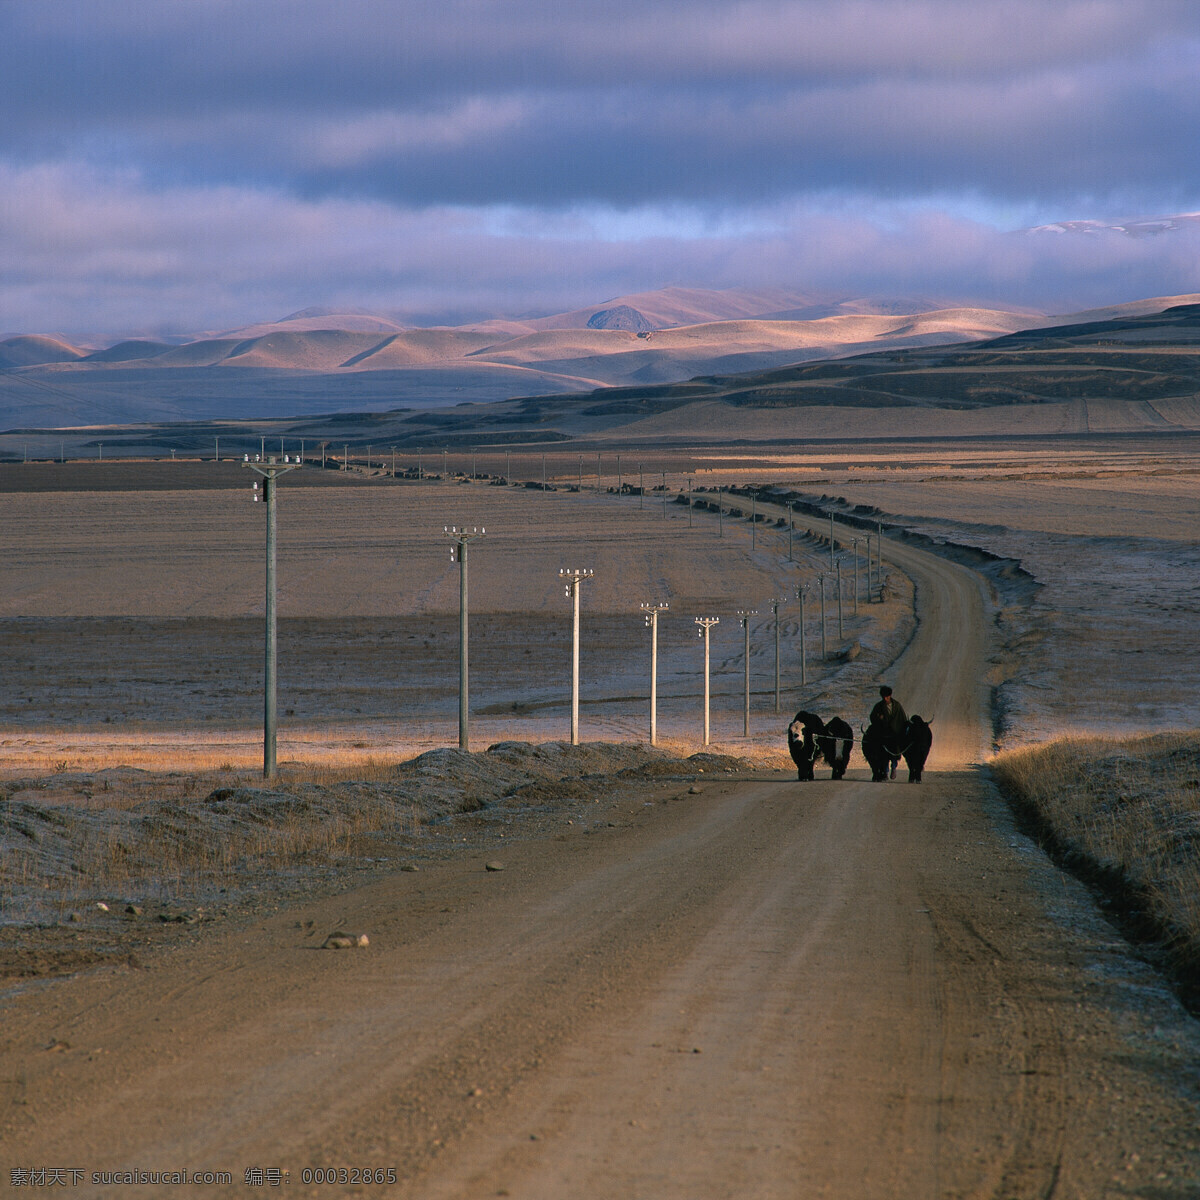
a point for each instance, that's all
(943, 673)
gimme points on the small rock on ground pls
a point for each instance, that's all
(345, 941)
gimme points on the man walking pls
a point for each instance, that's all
(891, 716)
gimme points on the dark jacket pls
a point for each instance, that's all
(894, 720)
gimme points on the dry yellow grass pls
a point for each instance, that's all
(72, 839)
(1126, 814)
(186, 835)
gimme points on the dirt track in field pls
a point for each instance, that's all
(763, 989)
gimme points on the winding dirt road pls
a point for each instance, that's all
(766, 989)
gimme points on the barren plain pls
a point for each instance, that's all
(693, 977)
(132, 614)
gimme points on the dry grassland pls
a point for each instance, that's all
(1125, 814)
(1109, 644)
(89, 852)
(1122, 498)
(131, 638)
(131, 622)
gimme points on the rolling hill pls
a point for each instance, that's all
(298, 365)
(958, 358)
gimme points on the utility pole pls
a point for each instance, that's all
(879, 558)
(580, 488)
(507, 467)
(216, 449)
(706, 623)
(270, 471)
(854, 548)
(101, 449)
(462, 539)
(775, 602)
(597, 474)
(393, 450)
(345, 458)
(867, 538)
(753, 520)
(689, 496)
(445, 464)
(572, 578)
(744, 617)
(543, 472)
(824, 641)
(720, 514)
(841, 631)
(641, 489)
(651, 612)
(831, 539)
(790, 516)
(801, 592)
(664, 490)
(618, 474)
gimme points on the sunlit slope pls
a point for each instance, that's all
(30, 350)
(295, 370)
(673, 354)
(1145, 359)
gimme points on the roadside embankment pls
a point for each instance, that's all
(95, 866)
(1124, 815)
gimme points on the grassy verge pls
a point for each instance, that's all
(1125, 816)
(72, 842)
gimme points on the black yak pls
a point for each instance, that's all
(876, 751)
(918, 740)
(836, 745)
(803, 744)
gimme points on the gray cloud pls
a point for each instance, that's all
(215, 158)
(98, 251)
(491, 102)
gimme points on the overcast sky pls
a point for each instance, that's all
(196, 164)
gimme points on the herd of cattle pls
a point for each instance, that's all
(810, 739)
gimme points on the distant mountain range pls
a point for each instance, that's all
(322, 360)
(1134, 375)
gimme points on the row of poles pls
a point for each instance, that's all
(573, 579)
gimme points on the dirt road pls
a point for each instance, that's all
(764, 989)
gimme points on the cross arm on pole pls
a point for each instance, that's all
(462, 536)
(271, 469)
